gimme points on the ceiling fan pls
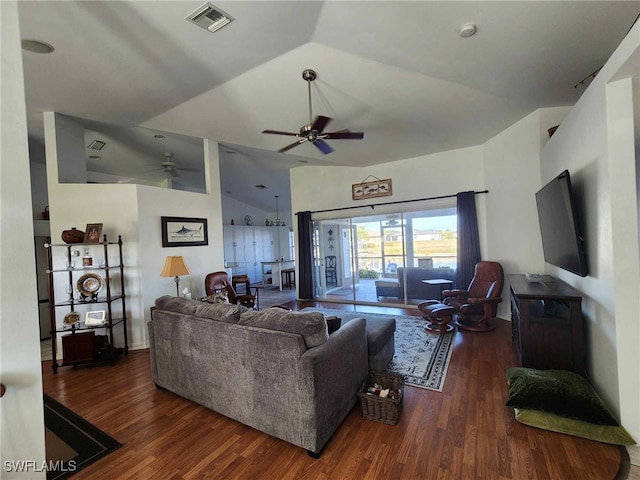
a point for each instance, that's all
(171, 170)
(314, 131)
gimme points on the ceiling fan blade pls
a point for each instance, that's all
(323, 146)
(344, 135)
(295, 144)
(320, 123)
(278, 132)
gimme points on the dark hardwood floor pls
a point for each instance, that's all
(463, 432)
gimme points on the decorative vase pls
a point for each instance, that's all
(73, 236)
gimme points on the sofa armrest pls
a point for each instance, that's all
(335, 371)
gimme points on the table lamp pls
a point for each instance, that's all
(174, 267)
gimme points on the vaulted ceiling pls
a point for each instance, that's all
(398, 71)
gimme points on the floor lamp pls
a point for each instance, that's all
(174, 267)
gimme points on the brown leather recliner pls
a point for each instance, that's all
(219, 282)
(473, 307)
(479, 302)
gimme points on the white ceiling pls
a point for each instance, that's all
(397, 71)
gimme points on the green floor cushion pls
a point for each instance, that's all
(560, 392)
(615, 435)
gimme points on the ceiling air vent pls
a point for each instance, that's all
(209, 17)
(96, 145)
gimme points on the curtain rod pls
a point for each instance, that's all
(390, 203)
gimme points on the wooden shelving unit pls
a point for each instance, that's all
(81, 344)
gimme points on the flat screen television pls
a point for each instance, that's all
(562, 238)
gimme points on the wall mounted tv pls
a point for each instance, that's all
(562, 239)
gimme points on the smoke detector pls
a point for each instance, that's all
(467, 30)
(209, 17)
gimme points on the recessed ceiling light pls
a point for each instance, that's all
(36, 46)
(467, 30)
(260, 187)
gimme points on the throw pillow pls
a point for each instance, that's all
(311, 325)
(177, 304)
(224, 312)
(560, 392)
(570, 426)
(333, 323)
(218, 297)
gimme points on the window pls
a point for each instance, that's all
(373, 247)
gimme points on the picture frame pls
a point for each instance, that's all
(184, 232)
(95, 318)
(376, 188)
(92, 233)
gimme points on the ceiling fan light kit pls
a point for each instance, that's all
(314, 131)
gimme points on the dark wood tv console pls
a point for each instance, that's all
(547, 324)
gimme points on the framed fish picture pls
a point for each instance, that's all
(377, 188)
(184, 232)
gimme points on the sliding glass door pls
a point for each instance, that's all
(384, 258)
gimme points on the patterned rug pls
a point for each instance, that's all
(421, 357)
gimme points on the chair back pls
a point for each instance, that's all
(487, 281)
(219, 281)
(330, 261)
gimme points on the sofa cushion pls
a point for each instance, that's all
(311, 325)
(224, 312)
(177, 304)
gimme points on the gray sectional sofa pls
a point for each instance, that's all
(277, 371)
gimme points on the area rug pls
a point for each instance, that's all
(421, 357)
(71, 443)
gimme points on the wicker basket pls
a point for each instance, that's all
(385, 410)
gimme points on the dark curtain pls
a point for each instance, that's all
(468, 238)
(305, 256)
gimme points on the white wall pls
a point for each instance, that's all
(512, 176)
(154, 203)
(21, 409)
(508, 166)
(134, 211)
(236, 210)
(595, 142)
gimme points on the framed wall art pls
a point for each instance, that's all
(371, 189)
(92, 233)
(184, 232)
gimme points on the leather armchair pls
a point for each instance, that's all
(476, 305)
(219, 282)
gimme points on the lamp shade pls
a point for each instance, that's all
(173, 267)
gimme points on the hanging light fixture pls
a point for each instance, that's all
(277, 222)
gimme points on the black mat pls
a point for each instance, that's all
(88, 442)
